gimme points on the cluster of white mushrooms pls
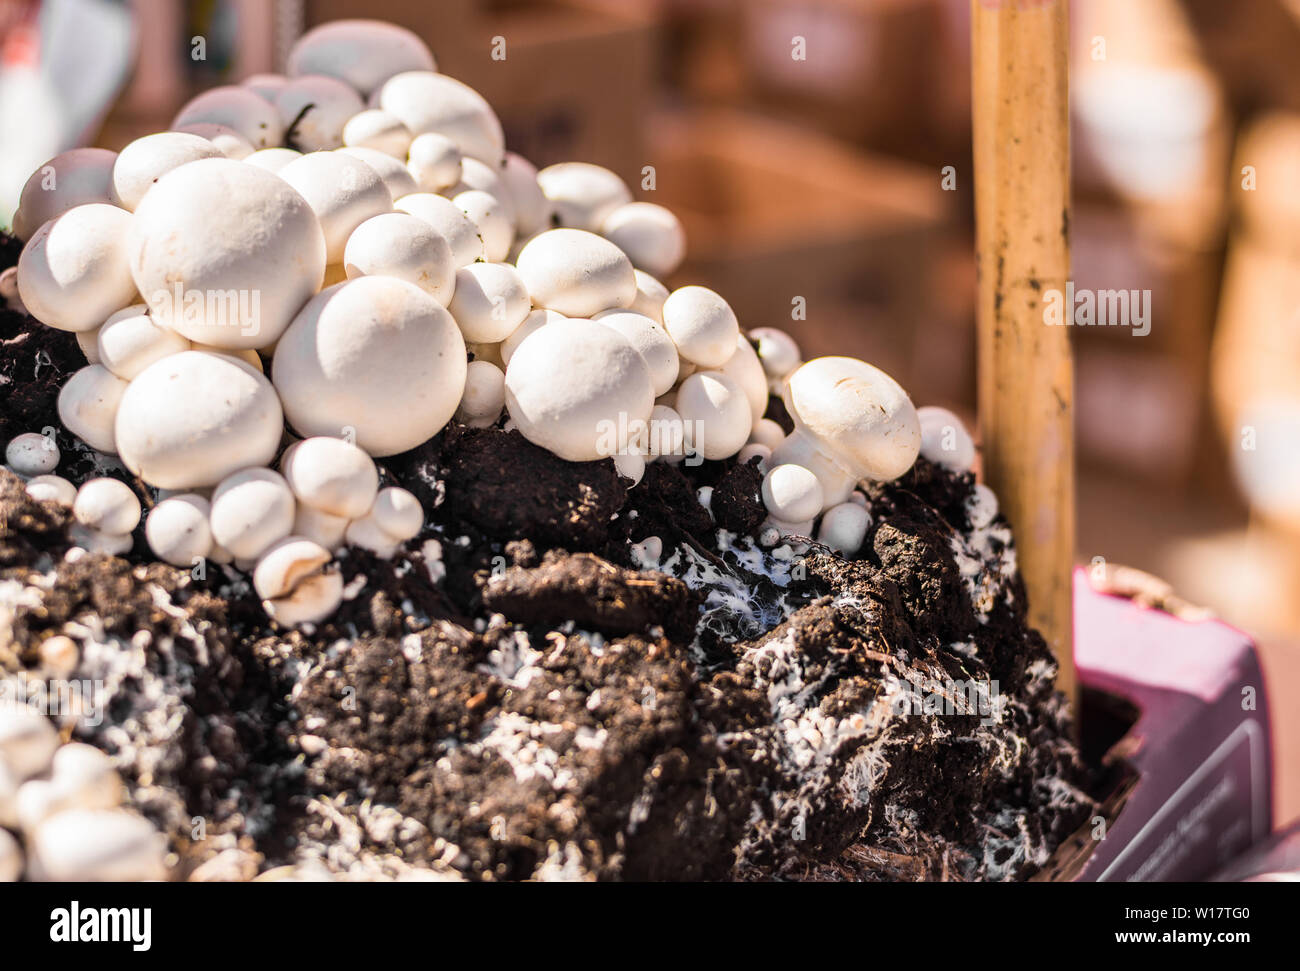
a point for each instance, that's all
(363, 266)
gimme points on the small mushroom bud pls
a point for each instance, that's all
(74, 271)
(286, 564)
(490, 302)
(746, 370)
(475, 175)
(403, 246)
(651, 236)
(716, 412)
(630, 465)
(484, 397)
(318, 107)
(99, 845)
(755, 450)
(178, 529)
(536, 319)
(792, 493)
(229, 142)
(944, 439)
(251, 511)
(32, 454)
(363, 53)
(146, 160)
(667, 434)
(767, 432)
(52, 488)
(369, 535)
(9, 296)
(74, 178)
(493, 219)
(11, 858)
(377, 129)
(131, 340)
(651, 342)
(605, 379)
(97, 541)
(81, 777)
(576, 273)
(28, 741)
(650, 297)
(398, 180)
(531, 207)
(844, 527)
(342, 190)
(583, 195)
(239, 109)
(376, 354)
(331, 475)
(88, 406)
(449, 220)
(107, 505)
(777, 352)
(702, 325)
(434, 162)
(427, 102)
(319, 527)
(191, 419)
(398, 513)
(272, 159)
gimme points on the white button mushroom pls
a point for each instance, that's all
(317, 107)
(792, 493)
(576, 273)
(107, 505)
(605, 382)
(490, 302)
(377, 129)
(364, 53)
(844, 527)
(651, 236)
(666, 434)
(52, 488)
(651, 341)
(485, 395)
(191, 419)
(398, 513)
(485, 178)
(74, 272)
(88, 406)
(710, 403)
(406, 247)
(73, 178)
(944, 439)
(145, 160)
(650, 297)
(28, 740)
(251, 511)
(536, 319)
(375, 354)
(702, 325)
(494, 221)
(287, 563)
(755, 450)
(531, 207)
(244, 250)
(369, 535)
(856, 413)
(767, 432)
(9, 296)
(131, 340)
(331, 475)
(31, 454)
(630, 465)
(272, 159)
(798, 449)
(427, 102)
(745, 368)
(320, 527)
(399, 181)
(239, 109)
(449, 220)
(99, 845)
(178, 529)
(982, 506)
(229, 142)
(265, 86)
(583, 195)
(435, 162)
(342, 190)
(81, 777)
(777, 352)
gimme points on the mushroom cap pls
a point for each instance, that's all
(944, 439)
(74, 271)
(532, 208)
(98, 845)
(70, 179)
(313, 600)
(651, 341)
(88, 406)
(858, 413)
(485, 395)
(666, 433)
(107, 505)
(403, 246)
(251, 510)
(238, 237)
(239, 109)
(376, 129)
(318, 107)
(191, 419)
(777, 351)
(265, 85)
(434, 161)
(767, 432)
(494, 220)
(319, 527)
(342, 190)
(799, 448)
(630, 465)
(582, 195)
(147, 159)
(605, 378)
(52, 488)
(32, 453)
(363, 53)
(428, 102)
(400, 182)
(490, 302)
(398, 513)
(576, 273)
(448, 219)
(485, 178)
(651, 236)
(28, 741)
(272, 159)
(718, 404)
(285, 564)
(375, 354)
(702, 325)
(650, 297)
(745, 367)
(131, 340)
(331, 475)
(535, 319)
(229, 142)
(178, 530)
(792, 493)
(369, 535)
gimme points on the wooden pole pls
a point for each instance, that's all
(1026, 381)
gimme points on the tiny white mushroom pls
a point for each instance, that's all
(363, 53)
(651, 236)
(651, 341)
(31, 454)
(583, 195)
(767, 432)
(52, 488)
(398, 513)
(434, 161)
(490, 302)
(70, 179)
(406, 247)
(755, 450)
(944, 439)
(777, 351)
(88, 406)
(716, 412)
(229, 142)
(319, 527)
(576, 273)
(395, 175)
(377, 129)
(99, 845)
(532, 208)
(428, 102)
(107, 505)
(630, 465)
(450, 221)
(844, 527)
(237, 108)
(318, 107)
(28, 740)
(251, 511)
(982, 506)
(343, 192)
(144, 161)
(131, 340)
(536, 319)
(272, 159)
(485, 395)
(792, 493)
(331, 475)
(702, 325)
(178, 529)
(493, 219)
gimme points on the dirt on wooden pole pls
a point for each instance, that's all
(1022, 208)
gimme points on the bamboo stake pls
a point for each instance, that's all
(1026, 382)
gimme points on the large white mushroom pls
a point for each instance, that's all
(745, 367)
(702, 325)
(435, 162)
(576, 273)
(178, 529)
(244, 250)
(97, 844)
(147, 159)
(74, 178)
(450, 221)
(536, 319)
(400, 245)
(251, 510)
(342, 190)
(716, 412)
(490, 302)
(651, 236)
(377, 355)
(331, 475)
(485, 395)
(107, 505)
(131, 340)
(582, 195)
(428, 102)
(88, 406)
(363, 53)
(314, 109)
(239, 109)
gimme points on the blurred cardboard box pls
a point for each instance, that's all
(797, 231)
